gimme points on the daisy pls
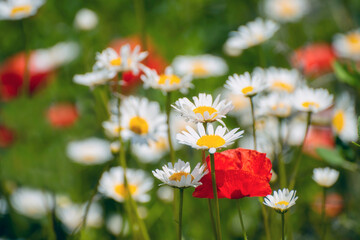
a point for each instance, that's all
(286, 10)
(165, 193)
(348, 45)
(253, 33)
(89, 151)
(231, 47)
(167, 81)
(201, 66)
(141, 120)
(18, 9)
(180, 175)
(275, 104)
(211, 140)
(282, 80)
(126, 60)
(312, 100)
(31, 203)
(112, 184)
(240, 103)
(117, 225)
(86, 19)
(71, 215)
(344, 121)
(281, 200)
(204, 109)
(112, 127)
(246, 84)
(325, 177)
(95, 78)
(153, 151)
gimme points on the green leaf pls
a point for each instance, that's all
(343, 74)
(333, 157)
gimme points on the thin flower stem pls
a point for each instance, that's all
(323, 211)
(283, 226)
(217, 211)
(299, 153)
(253, 121)
(241, 219)
(282, 170)
(181, 202)
(168, 109)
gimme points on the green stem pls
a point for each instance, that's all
(168, 110)
(241, 219)
(253, 121)
(282, 170)
(140, 14)
(323, 211)
(283, 226)
(299, 153)
(217, 211)
(51, 225)
(181, 202)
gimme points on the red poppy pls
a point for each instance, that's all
(153, 60)
(239, 173)
(318, 137)
(62, 115)
(334, 204)
(314, 59)
(12, 76)
(6, 137)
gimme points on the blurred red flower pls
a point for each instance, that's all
(62, 115)
(239, 173)
(314, 59)
(318, 137)
(12, 76)
(6, 137)
(153, 60)
(334, 204)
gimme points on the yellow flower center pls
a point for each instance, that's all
(354, 41)
(139, 125)
(247, 90)
(177, 176)
(160, 144)
(238, 101)
(199, 69)
(116, 62)
(284, 108)
(88, 158)
(287, 9)
(204, 109)
(278, 85)
(21, 9)
(282, 202)
(171, 79)
(210, 141)
(338, 121)
(310, 104)
(121, 190)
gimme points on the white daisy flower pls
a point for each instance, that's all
(325, 177)
(31, 202)
(246, 84)
(240, 102)
(115, 225)
(180, 175)
(165, 193)
(344, 121)
(231, 47)
(112, 184)
(112, 127)
(95, 78)
(126, 60)
(281, 200)
(54, 57)
(167, 81)
(141, 120)
(153, 151)
(282, 80)
(312, 100)
(201, 66)
(348, 45)
(275, 104)
(18, 9)
(72, 215)
(211, 139)
(204, 109)
(286, 10)
(251, 34)
(89, 151)
(85, 19)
